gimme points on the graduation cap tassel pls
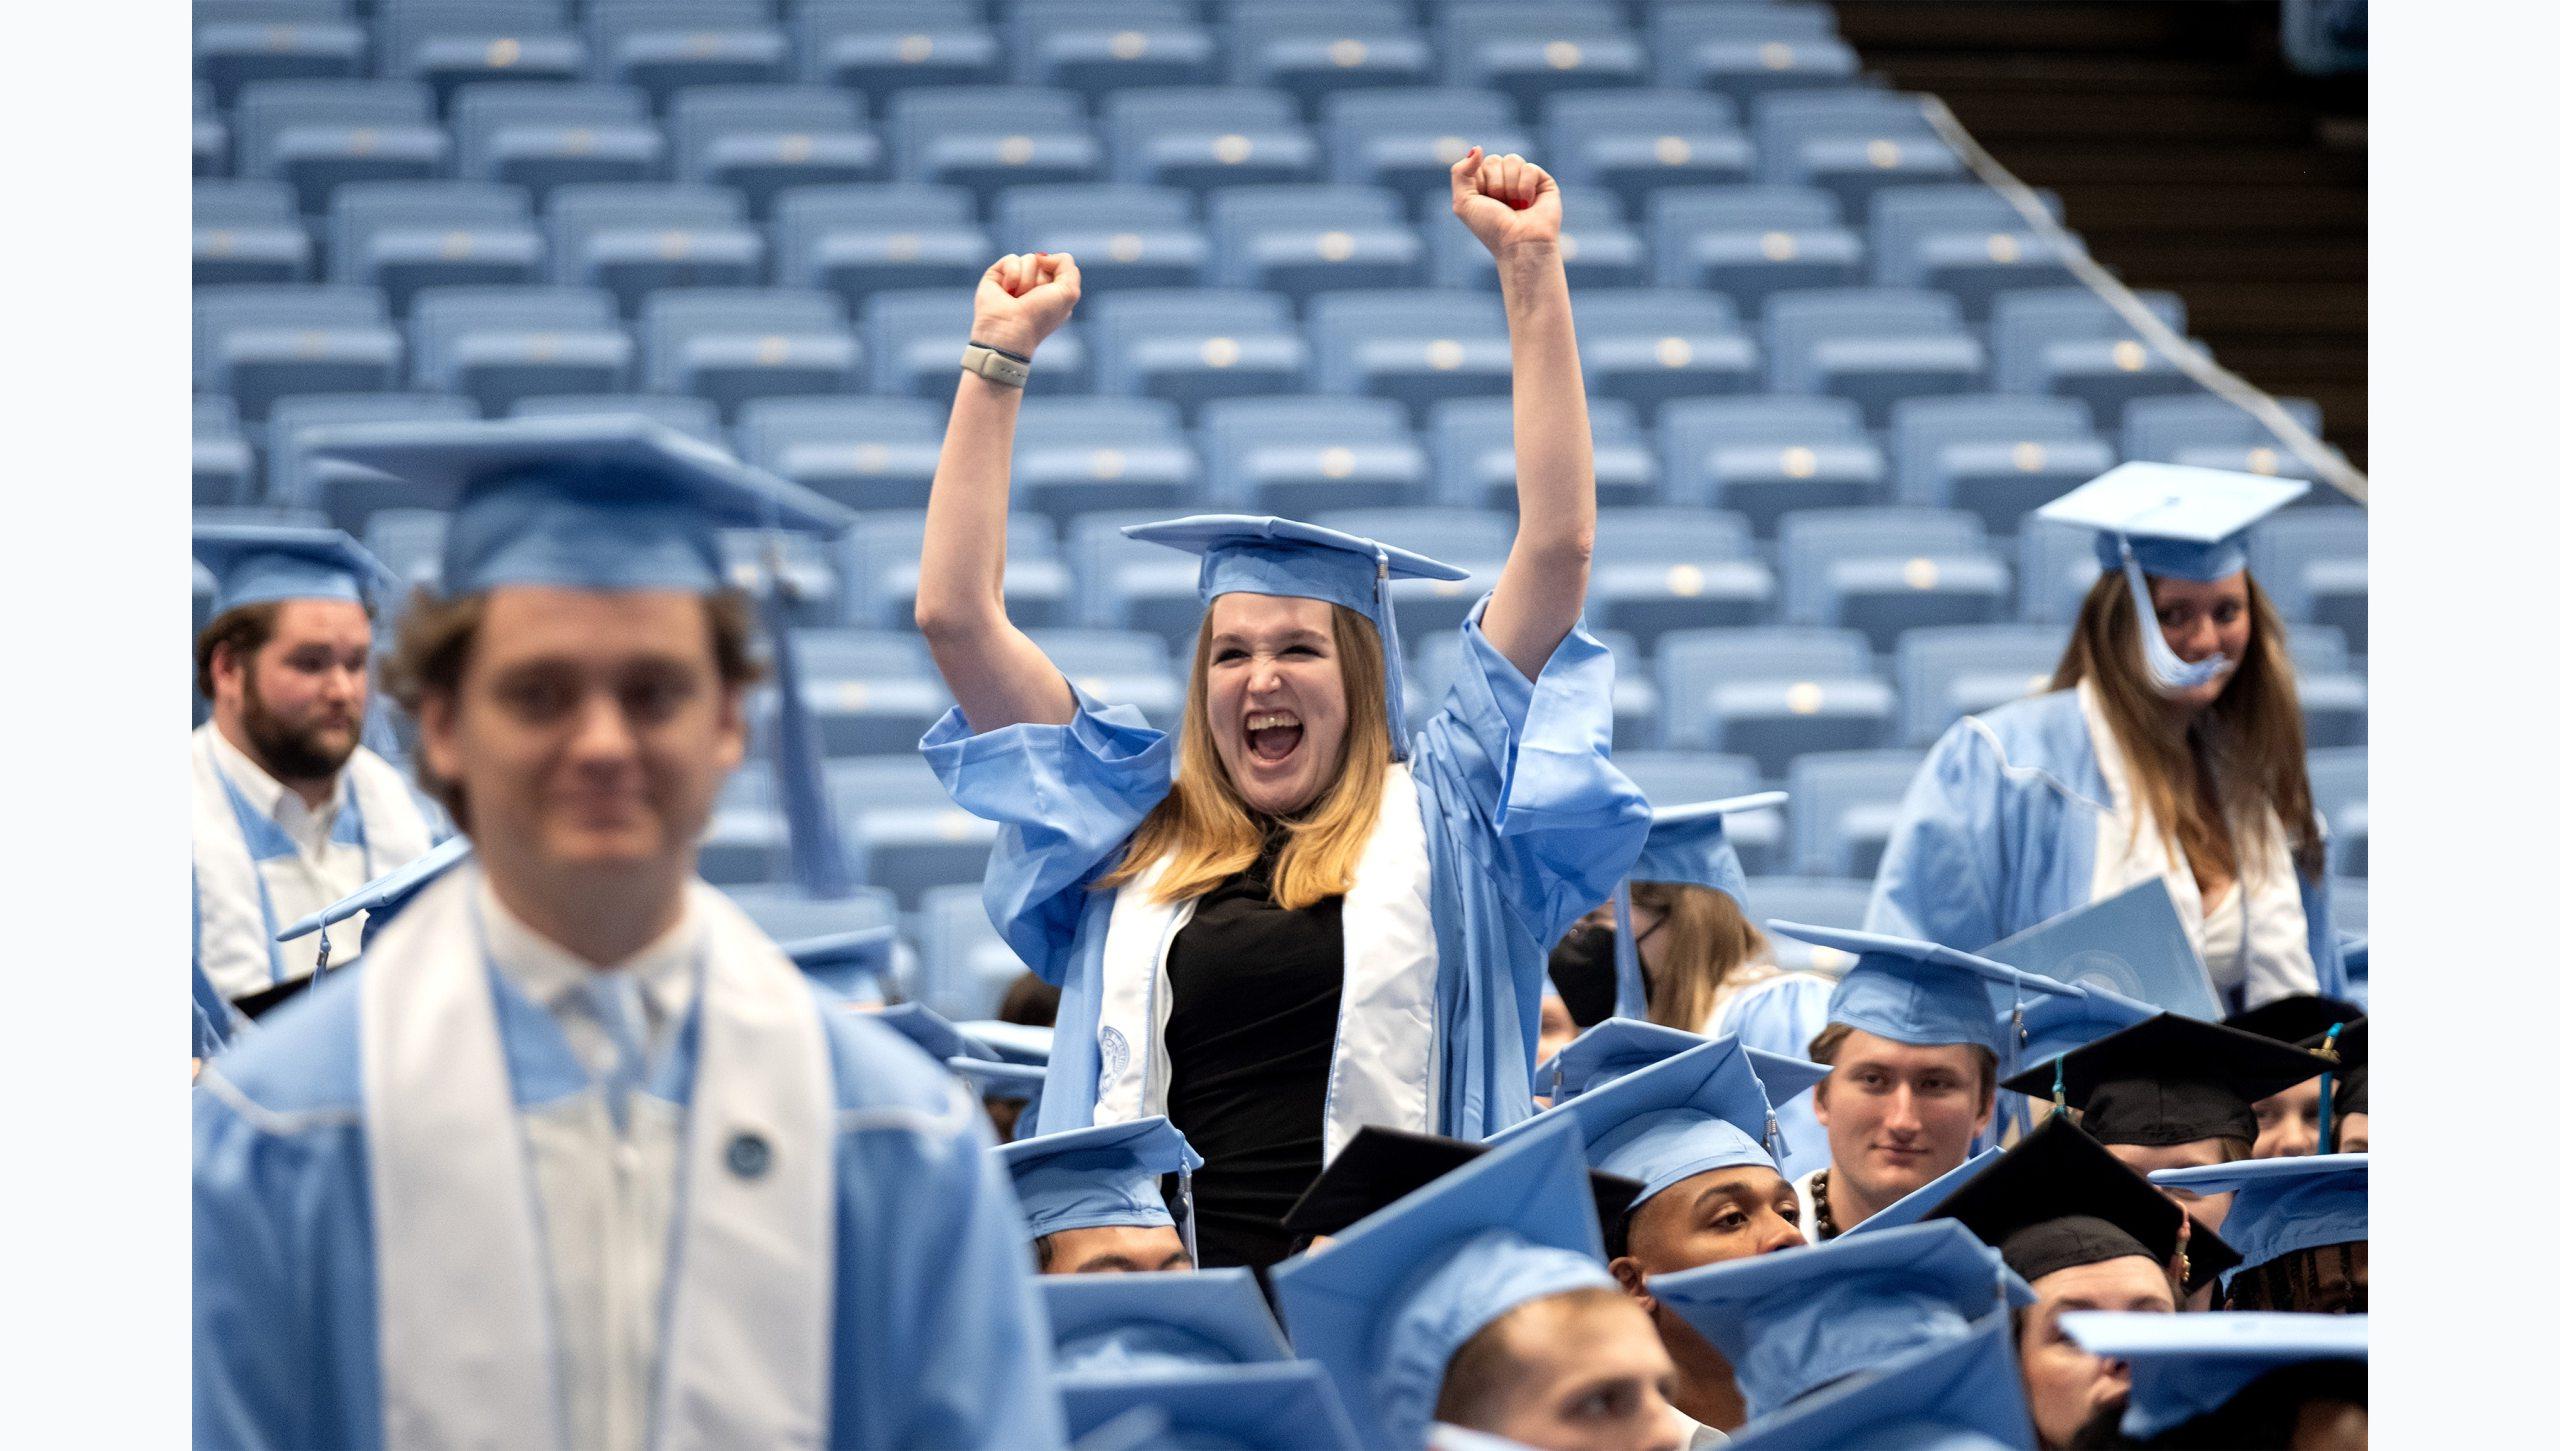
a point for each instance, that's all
(2178, 1256)
(2328, 1085)
(2058, 1090)
(817, 853)
(321, 965)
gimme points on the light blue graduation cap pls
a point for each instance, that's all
(1006, 1083)
(1287, 1406)
(2282, 1205)
(2050, 1027)
(382, 898)
(1105, 1175)
(1165, 1320)
(1690, 1114)
(2178, 522)
(1685, 844)
(930, 1031)
(1259, 554)
(1615, 1047)
(855, 963)
(1915, 1206)
(2185, 1366)
(1918, 992)
(1964, 1395)
(1389, 1302)
(256, 564)
(1793, 1322)
(1017, 1067)
(2132, 944)
(1027, 1043)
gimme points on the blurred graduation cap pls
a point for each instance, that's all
(931, 1031)
(1018, 1067)
(1387, 1305)
(2178, 522)
(1963, 1395)
(1694, 1113)
(2169, 1080)
(854, 964)
(261, 563)
(1105, 1175)
(2130, 945)
(1919, 992)
(1915, 1206)
(2186, 1366)
(1793, 1322)
(1288, 1406)
(1260, 554)
(1381, 1165)
(2282, 1205)
(1619, 1046)
(1126, 1323)
(1027, 1043)
(2057, 1199)
(378, 900)
(1685, 845)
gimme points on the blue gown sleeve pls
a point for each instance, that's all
(1935, 882)
(255, 1363)
(1064, 799)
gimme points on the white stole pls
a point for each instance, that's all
(468, 1351)
(1385, 1054)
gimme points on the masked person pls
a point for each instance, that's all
(291, 811)
(2170, 746)
(579, 1158)
(1327, 917)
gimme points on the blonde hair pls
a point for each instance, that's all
(2250, 739)
(1706, 939)
(1208, 833)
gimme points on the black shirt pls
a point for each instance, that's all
(1257, 992)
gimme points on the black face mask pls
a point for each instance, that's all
(1584, 968)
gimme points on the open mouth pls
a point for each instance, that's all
(1272, 736)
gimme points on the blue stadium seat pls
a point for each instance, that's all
(1208, 136)
(1123, 236)
(404, 235)
(2338, 776)
(1598, 247)
(2056, 566)
(1966, 240)
(2067, 341)
(985, 137)
(872, 691)
(1476, 466)
(1651, 345)
(448, 43)
(1076, 455)
(880, 46)
(1773, 693)
(662, 46)
(224, 462)
(762, 139)
(633, 238)
(1316, 49)
(904, 828)
(1470, 539)
(1852, 142)
(881, 554)
(547, 135)
(1842, 805)
(2205, 431)
(1676, 778)
(1950, 671)
(1874, 345)
(212, 137)
(860, 240)
(864, 453)
(682, 412)
(1419, 347)
(1889, 570)
(1189, 347)
(1634, 142)
(1128, 584)
(1658, 570)
(410, 543)
(916, 336)
(259, 342)
(1819, 901)
(314, 135)
(2310, 559)
(2347, 907)
(1407, 138)
(501, 344)
(1298, 456)
(1118, 667)
(2328, 684)
(1305, 238)
(745, 847)
(1635, 705)
(348, 496)
(1537, 48)
(1767, 456)
(248, 231)
(730, 344)
(243, 42)
(1750, 241)
(1997, 456)
(1748, 50)
(1097, 46)
(964, 968)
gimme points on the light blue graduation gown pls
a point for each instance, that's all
(938, 1340)
(1526, 823)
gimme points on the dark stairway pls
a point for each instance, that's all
(2186, 152)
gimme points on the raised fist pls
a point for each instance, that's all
(1025, 297)
(1505, 201)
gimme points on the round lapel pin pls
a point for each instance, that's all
(749, 1155)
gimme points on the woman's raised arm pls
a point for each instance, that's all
(1513, 208)
(998, 676)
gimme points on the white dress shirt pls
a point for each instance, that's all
(322, 871)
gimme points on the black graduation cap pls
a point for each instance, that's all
(1382, 1165)
(2290, 1020)
(2171, 1080)
(2349, 1095)
(2058, 1199)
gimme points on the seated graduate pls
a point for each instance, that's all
(2298, 1225)
(1092, 1198)
(2086, 1233)
(579, 1157)
(2236, 1379)
(1481, 1300)
(2289, 1120)
(1327, 917)
(1961, 1395)
(2170, 745)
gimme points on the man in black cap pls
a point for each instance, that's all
(2085, 1233)
(2289, 1120)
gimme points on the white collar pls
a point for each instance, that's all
(273, 799)
(547, 973)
